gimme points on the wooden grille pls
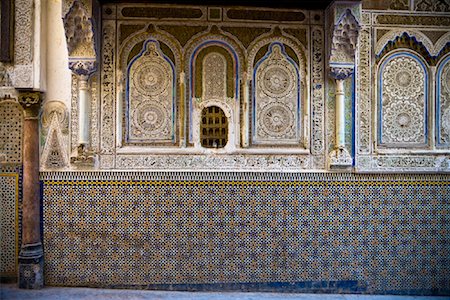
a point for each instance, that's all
(213, 127)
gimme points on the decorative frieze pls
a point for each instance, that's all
(214, 162)
(404, 163)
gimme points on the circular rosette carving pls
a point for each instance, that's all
(151, 118)
(403, 78)
(277, 120)
(403, 123)
(150, 79)
(277, 81)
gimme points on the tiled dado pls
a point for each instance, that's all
(379, 233)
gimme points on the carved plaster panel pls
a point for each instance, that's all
(432, 5)
(11, 131)
(151, 96)
(107, 121)
(23, 32)
(54, 120)
(403, 101)
(276, 98)
(364, 82)
(317, 87)
(214, 76)
(443, 103)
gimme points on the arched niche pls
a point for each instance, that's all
(402, 101)
(150, 114)
(443, 103)
(276, 100)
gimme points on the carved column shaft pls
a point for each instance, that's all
(182, 110)
(340, 115)
(84, 105)
(245, 119)
(31, 254)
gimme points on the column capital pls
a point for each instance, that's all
(83, 68)
(31, 103)
(340, 72)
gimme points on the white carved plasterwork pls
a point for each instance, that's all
(214, 76)
(317, 86)
(393, 34)
(404, 163)
(78, 30)
(151, 85)
(403, 101)
(54, 121)
(23, 32)
(364, 88)
(276, 98)
(443, 103)
(11, 131)
(345, 39)
(215, 162)
(107, 120)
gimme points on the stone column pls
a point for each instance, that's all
(340, 157)
(182, 109)
(31, 258)
(245, 107)
(83, 69)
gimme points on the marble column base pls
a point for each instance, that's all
(31, 267)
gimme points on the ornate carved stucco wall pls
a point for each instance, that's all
(347, 232)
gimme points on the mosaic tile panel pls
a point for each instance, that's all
(389, 232)
(9, 196)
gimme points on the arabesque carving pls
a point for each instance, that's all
(276, 98)
(151, 83)
(403, 101)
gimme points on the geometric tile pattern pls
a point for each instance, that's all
(9, 196)
(394, 235)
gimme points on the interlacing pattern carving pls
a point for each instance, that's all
(432, 5)
(107, 128)
(214, 76)
(364, 84)
(444, 104)
(276, 83)
(151, 83)
(403, 101)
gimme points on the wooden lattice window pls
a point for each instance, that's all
(213, 127)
